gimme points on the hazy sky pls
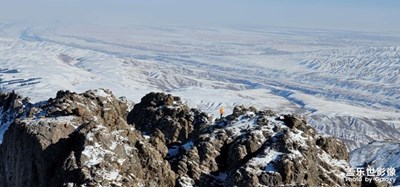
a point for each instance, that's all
(367, 15)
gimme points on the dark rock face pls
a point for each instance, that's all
(90, 139)
(333, 147)
(166, 114)
(80, 139)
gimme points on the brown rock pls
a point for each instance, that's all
(82, 139)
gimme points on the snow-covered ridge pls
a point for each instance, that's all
(246, 142)
(371, 64)
(372, 73)
(380, 154)
(355, 132)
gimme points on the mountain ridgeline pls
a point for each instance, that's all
(93, 139)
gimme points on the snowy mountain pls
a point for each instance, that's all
(344, 83)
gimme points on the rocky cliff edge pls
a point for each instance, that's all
(92, 139)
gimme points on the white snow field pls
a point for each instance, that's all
(346, 83)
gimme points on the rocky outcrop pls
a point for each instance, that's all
(80, 139)
(91, 139)
(246, 148)
(260, 148)
(160, 112)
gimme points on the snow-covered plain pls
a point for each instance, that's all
(341, 77)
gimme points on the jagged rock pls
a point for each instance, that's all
(260, 148)
(292, 121)
(158, 141)
(165, 113)
(334, 147)
(80, 139)
(85, 140)
(237, 111)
